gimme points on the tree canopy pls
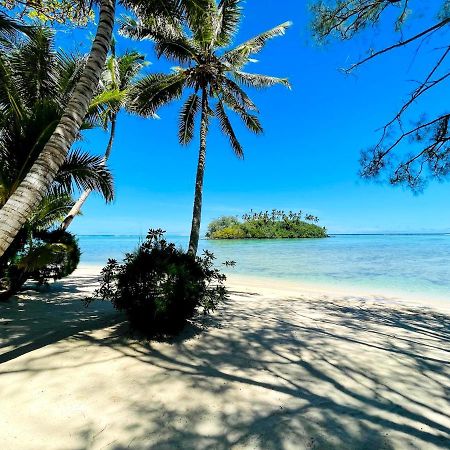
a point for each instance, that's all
(409, 151)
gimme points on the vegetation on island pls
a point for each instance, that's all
(266, 225)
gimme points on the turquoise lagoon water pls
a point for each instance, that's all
(410, 264)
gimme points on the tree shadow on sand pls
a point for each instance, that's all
(273, 374)
(335, 397)
(29, 322)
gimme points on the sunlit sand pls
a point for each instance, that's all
(274, 368)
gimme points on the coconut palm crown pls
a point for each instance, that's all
(198, 39)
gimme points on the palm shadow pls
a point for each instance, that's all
(29, 321)
(271, 374)
(334, 397)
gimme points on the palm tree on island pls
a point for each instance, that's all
(199, 42)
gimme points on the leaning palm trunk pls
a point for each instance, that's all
(84, 196)
(198, 199)
(24, 200)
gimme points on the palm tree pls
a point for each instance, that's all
(10, 29)
(36, 83)
(118, 77)
(37, 181)
(199, 40)
(40, 81)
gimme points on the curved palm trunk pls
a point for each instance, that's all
(23, 201)
(198, 199)
(84, 196)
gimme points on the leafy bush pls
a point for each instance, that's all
(160, 287)
(220, 224)
(40, 251)
(54, 255)
(233, 232)
(265, 225)
(41, 256)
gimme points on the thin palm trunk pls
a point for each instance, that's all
(27, 196)
(198, 198)
(84, 196)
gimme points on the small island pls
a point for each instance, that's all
(267, 225)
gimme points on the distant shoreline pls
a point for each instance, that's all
(329, 235)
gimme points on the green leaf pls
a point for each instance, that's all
(259, 81)
(227, 129)
(154, 91)
(239, 56)
(187, 119)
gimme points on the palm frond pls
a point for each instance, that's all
(106, 101)
(168, 9)
(10, 100)
(9, 28)
(229, 15)
(227, 129)
(129, 65)
(51, 210)
(133, 29)
(239, 56)
(259, 81)
(154, 91)
(170, 40)
(229, 87)
(181, 50)
(33, 63)
(250, 120)
(85, 171)
(69, 68)
(187, 119)
(150, 27)
(201, 17)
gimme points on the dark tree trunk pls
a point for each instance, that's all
(198, 198)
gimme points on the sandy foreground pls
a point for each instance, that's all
(277, 367)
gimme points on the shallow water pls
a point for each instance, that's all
(413, 264)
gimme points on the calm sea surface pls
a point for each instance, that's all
(410, 264)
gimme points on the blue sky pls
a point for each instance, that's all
(307, 157)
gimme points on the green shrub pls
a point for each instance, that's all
(221, 224)
(160, 287)
(54, 255)
(229, 233)
(41, 256)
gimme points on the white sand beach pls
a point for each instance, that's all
(276, 367)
